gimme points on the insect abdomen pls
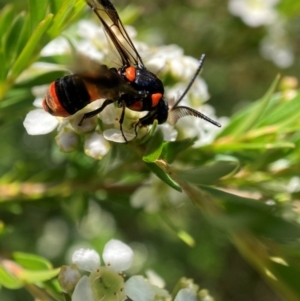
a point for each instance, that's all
(66, 96)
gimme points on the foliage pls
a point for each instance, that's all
(243, 187)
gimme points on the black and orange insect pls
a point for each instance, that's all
(132, 86)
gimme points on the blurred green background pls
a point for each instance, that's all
(51, 203)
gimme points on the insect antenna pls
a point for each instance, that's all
(177, 112)
(201, 62)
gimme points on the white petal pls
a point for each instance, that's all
(117, 255)
(83, 290)
(86, 259)
(58, 46)
(137, 288)
(116, 135)
(87, 125)
(38, 102)
(155, 279)
(108, 115)
(293, 185)
(67, 140)
(90, 30)
(39, 122)
(89, 47)
(96, 146)
(39, 92)
(186, 294)
(145, 196)
(169, 132)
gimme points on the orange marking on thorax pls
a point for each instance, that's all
(155, 98)
(130, 73)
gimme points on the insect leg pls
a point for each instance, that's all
(123, 104)
(95, 112)
(135, 127)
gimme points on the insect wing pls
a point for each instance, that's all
(107, 81)
(116, 32)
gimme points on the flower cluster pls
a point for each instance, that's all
(99, 131)
(85, 279)
(275, 46)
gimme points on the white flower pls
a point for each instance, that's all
(86, 259)
(254, 12)
(279, 165)
(138, 288)
(83, 290)
(67, 140)
(169, 132)
(39, 122)
(105, 283)
(56, 47)
(294, 185)
(96, 146)
(115, 135)
(197, 94)
(204, 131)
(155, 279)
(117, 255)
(186, 294)
(275, 46)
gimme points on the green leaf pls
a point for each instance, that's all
(37, 12)
(285, 114)
(278, 267)
(208, 174)
(11, 40)
(246, 122)
(290, 8)
(25, 57)
(186, 238)
(173, 148)
(287, 278)
(40, 79)
(163, 176)
(6, 19)
(9, 281)
(23, 36)
(55, 6)
(31, 261)
(67, 11)
(14, 97)
(154, 147)
(149, 134)
(38, 276)
(254, 146)
(252, 215)
(3, 71)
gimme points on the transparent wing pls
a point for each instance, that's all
(116, 32)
